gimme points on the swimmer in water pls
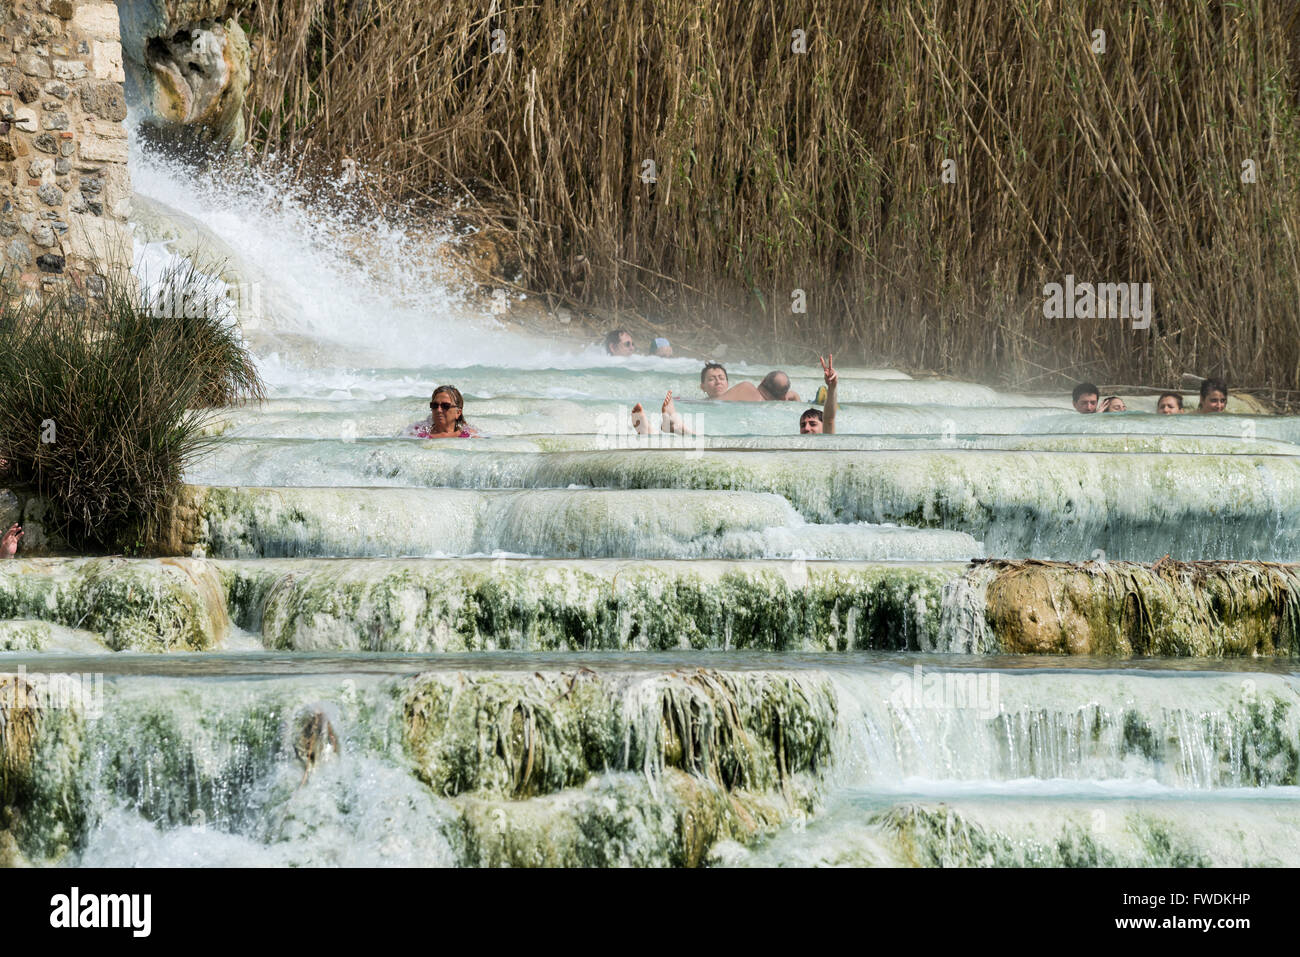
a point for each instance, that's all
(1170, 403)
(713, 380)
(446, 417)
(813, 421)
(619, 343)
(775, 387)
(1214, 396)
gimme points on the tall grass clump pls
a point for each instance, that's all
(102, 403)
(822, 170)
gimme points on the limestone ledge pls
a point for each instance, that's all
(127, 605)
(1167, 609)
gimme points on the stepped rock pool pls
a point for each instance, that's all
(933, 639)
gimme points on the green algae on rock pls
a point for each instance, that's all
(515, 769)
(42, 722)
(166, 605)
(521, 736)
(478, 604)
(35, 635)
(616, 820)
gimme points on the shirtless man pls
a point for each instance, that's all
(813, 421)
(774, 387)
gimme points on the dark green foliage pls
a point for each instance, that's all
(98, 400)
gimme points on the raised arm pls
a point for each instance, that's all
(832, 384)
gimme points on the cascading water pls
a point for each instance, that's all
(561, 643)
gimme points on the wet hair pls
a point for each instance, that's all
(712, 365)
(611, 340)
(456, 397)
(1213, 385)
(1176, 396)
(1084, 388)
(811, 414)
(769, 386)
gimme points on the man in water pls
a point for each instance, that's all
(774, 387)
(1085, 397)
(619, 343)
(713, 380)
(1214, 396)
(814, 422)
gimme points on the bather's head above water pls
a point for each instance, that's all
(1113, 403)
(713, 380)
(811, 422)
(1214, 396)
(1085, 397)
(619, 343)
(447, 414)
(776, 387)
(1170, 403)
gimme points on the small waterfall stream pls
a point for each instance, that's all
(564, 644)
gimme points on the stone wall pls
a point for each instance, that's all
(65, 192)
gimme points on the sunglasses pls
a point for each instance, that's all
(443, 406)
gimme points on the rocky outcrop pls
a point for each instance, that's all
(475, 604)
(187, 68)
(1211, 609)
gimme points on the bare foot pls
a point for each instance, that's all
(672, 422)
(9, 541)
(639, 421)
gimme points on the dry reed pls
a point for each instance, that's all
(821, 171)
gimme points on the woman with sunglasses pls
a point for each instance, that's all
(446, 417)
